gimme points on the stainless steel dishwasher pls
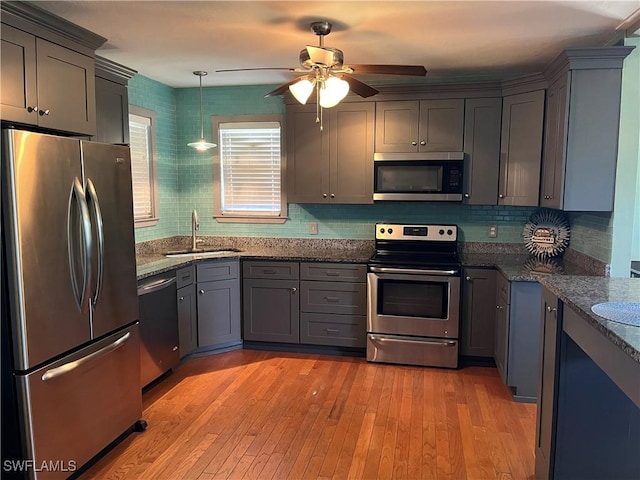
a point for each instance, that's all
(158, 326)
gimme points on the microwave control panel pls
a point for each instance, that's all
(387, 231)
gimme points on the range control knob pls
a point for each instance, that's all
(441, 232)
(449, 232)
(390, 230)
(382, 230)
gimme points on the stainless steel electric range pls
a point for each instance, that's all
(413, 295)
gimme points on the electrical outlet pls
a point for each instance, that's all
(493, 231)
(313, 228)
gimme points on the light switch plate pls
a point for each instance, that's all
(313, 228)
(493, 231)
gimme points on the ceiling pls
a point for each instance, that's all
(167, 41)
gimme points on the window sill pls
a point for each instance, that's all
(145, 222)
(248, 219)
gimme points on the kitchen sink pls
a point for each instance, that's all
(213, 252)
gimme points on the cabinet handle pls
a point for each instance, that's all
(201, 292)
(294, 290)
(333, 195)
(332, 330)
(175, 348)
(550, 309)
(501, 196)
(499, 307)
(468, 278)
(414, 143)
(330, 273)
(43, 112)
(423, 143)
(268, 272)
(466, 195)
(32, 109)
(324, 195)
(332, 299)
(181, 299)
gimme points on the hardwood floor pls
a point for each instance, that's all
(252, 415)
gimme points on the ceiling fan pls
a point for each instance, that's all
(324, 70)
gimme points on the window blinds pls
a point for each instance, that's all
(140, 145)
(250, 168)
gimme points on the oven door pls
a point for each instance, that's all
(411, 302)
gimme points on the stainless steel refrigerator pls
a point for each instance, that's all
(69, 284)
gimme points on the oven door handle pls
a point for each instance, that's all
(442, 343)
(414, 271)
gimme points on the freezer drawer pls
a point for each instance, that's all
(75, 407)
(424, 351)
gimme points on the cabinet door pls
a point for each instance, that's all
(483, 118)
(307, 156)
(351, 131)
(501, 345)
(521, 149)
(441, 125)
(554, 144)
(547, 385)
(271, 310)
(187, 320)
(218, 312)
(66, 89)
(18, 67)
(112, 112)
(478, 312)
(397, 126)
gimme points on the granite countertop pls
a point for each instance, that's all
(581, 293)
(148, 265)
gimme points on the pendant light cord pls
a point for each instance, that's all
(201, 113)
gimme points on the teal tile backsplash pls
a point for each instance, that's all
(187, 176)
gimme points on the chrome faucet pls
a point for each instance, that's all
(195, 226)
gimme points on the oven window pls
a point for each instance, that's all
(413, 299)
(402, 178)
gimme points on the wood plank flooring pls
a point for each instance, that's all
(269, 415)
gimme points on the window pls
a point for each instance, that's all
(248, 170)
(143, 147)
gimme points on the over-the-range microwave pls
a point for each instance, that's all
(429, 176)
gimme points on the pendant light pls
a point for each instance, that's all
(201, 145)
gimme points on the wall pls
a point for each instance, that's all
(152, 95)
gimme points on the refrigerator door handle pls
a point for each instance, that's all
(78, 195)
(92, 198)
(67, 367)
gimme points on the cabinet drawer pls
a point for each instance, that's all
(336, 272)
(333, 297)
(503, 289)
(211, 271)
(185, 276)
(275, 270)
(334, 330)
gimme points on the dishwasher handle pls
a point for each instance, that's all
(154, 286)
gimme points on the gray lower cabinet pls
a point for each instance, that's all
(187, 320)
(521, 148)
(218, 303)
(478, 312)
(548, 361)
(517, 331)
(482, 122)
(333, 304)
(271, 301)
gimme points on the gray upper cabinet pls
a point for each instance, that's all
(478, 312)
(112, 101)
(521, 148)
(48, 70)
(581, 129)
(482, 122)
(334, 165)
(419, 126)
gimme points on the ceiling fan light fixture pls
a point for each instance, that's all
(201, 145)
(302, 90)
(332, 91)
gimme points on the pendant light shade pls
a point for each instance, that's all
(332, 91)
(302, 90)
(201, 145)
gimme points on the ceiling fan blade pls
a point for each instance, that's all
(282, 88)
(258, 68)
(358, 87)
(416, 70)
